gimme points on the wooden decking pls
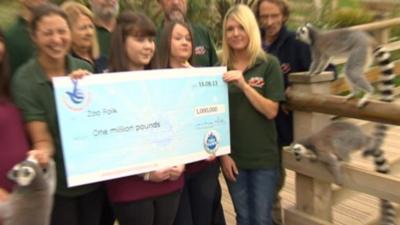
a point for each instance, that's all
(356, 208)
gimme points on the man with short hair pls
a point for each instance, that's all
(191, 210)
(294, 56)
(18, 40)
(105, 18)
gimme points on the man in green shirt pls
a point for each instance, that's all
(18, 40)
(105, 17)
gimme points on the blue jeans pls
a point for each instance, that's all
(253, 195)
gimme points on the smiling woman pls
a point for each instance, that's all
(255, 90)
(151, 198)
(84, 43)
(33, 93)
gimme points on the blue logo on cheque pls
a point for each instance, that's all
(211, 142)
(76, 95)
(76, 99)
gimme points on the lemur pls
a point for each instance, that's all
(333, 145)
(358, 46)
(31, 200)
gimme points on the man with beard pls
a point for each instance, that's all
(105, 14)
(18, 39)
(201, 197)
(294, 56)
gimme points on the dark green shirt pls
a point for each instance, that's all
(104, 39)
(253, 137)
(19, 44)
(33, 94)
(204, 51)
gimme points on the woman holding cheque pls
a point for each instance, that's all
(151, 198)
(201, 178)
(33, 93)
(255, 90)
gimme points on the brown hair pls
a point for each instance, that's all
(283, 6)
(46, 10)
(129, 23)
(4, 72)
(164, 48)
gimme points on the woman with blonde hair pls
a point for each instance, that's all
(255, 90)
(84, 43)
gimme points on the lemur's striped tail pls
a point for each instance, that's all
(388, 213)
(386, 87)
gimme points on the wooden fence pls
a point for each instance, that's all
(312, 103)
(381, 31)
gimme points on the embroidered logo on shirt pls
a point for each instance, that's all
(200, 50)
(256, 82)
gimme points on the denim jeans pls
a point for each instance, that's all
(253, 195)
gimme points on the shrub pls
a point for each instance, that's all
(345, 17)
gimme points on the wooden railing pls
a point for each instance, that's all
(312, 103)
(381, 31)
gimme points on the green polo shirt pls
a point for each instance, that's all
(204, 50)
(33, 93)
(253, 137)
(104, 39)
(19, 44)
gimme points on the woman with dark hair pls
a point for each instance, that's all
(13, 141)
(175, 47)
(151, 198)
(33, 93)
(201, 178)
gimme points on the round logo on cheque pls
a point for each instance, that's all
(211, 141)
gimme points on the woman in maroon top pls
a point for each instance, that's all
(13, 142)
(150, 199)
(201, 178)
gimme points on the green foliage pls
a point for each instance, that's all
(8, 11)
(345, 17)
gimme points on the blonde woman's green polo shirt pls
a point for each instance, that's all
(253, 136)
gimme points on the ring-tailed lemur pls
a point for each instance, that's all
(358, 46)
(31, 200)
(334, 143)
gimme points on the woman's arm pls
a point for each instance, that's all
(264, 105)
(42, 142)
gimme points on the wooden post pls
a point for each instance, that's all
(307, 122)
(312, 197)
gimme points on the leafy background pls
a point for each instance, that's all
(210, 12)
